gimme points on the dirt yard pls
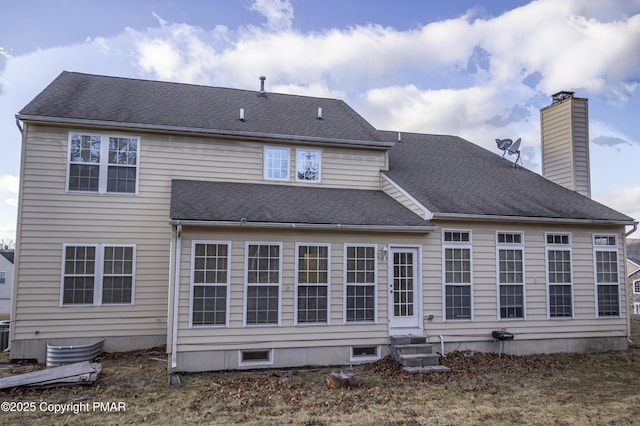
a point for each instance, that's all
(566, 389)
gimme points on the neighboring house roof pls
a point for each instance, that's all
(7, 254)
(198, 201)
(93, 99)
(455, 178)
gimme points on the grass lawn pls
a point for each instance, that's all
(562, 389)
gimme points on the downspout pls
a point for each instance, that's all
(634, 229)
(176, 293)
(626, 293)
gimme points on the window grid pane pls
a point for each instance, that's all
(313, 275)
(403, 290)
(210, 284)
(117, 284)
(608, 301)
(209, 305)
(560, 301)
(262, 304)
(511, 301)
(263, 283)
(277, 163)
(79, 275)
(361, 279)
(458, 302)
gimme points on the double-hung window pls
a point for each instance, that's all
(559, 275)
(98, 274)
(510, 274)
(3, 277)
(312, 272)
(103, 163)
(263, 279)
(360, 282)
(605, 254)
(636, 287)
(457, 275)
(210, 283)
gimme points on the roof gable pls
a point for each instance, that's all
(106, 100)
(453, 177)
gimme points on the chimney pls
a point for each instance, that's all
(564, 128)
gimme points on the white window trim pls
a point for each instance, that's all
(374, 284)
(607, 248)
(511, 246)
(319, 168)
(265, 168)
(456, 244)
(246, 283)
(192, 284)
(367, 358)
(295, 295)
(103, 165)
(98, 274)
(566, 247)
(634, 286)
(254, 363)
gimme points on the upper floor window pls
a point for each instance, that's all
(3, 277)
(276, 163)
(457, 275)
(307, 165)
(636, 287)
(98, 274)
(605, 249)
(101, 163)
(510, 274)
(559, 276)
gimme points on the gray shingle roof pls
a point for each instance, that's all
(155, 104)
(7, 254)
(451, 176)
(284, 204)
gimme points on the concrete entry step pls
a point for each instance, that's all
(418, 348)
(419, 360)
(407, 340)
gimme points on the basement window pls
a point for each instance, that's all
(365, 353)
(255, 357)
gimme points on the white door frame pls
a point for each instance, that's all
(407, 325)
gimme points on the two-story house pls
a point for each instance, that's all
(251, 229)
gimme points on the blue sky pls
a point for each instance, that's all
(477, 69)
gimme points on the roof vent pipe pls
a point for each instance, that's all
(319, 113)
(241, 114)
(399, 137)
(262, 79)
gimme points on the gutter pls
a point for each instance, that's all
(634, 229)
(304, 226)
(204, 131)
(496, 218)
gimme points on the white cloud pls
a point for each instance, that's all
(10, 184)
(279, 13)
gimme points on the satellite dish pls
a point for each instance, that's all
(510, 147)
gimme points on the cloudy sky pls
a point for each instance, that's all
(479, 69)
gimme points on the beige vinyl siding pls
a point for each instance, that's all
(485, 302)
(287, 335)
(51, 217)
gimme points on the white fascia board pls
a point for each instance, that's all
(428, 215)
